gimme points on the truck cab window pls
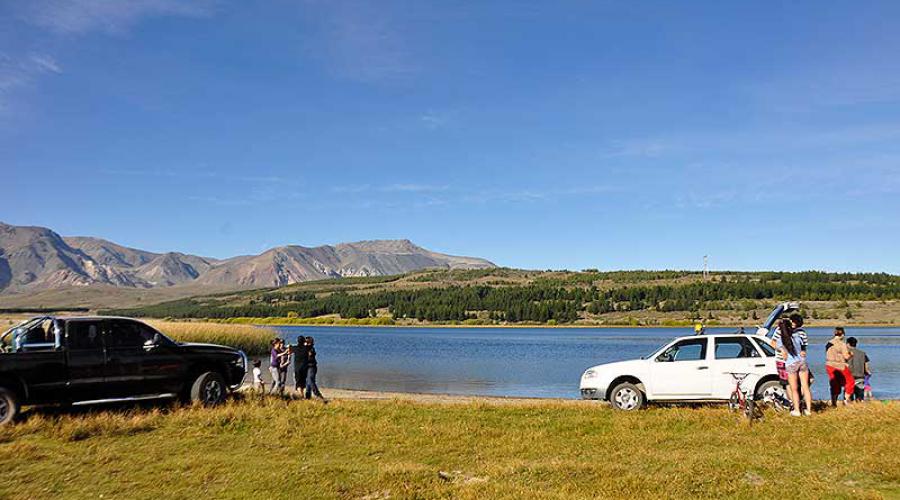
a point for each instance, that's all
(84, 335)
(38, 336)
(124, 333)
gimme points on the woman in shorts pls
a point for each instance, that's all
(792, 347)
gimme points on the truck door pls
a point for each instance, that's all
(162, 366)
(86, 360)
(139, 361)
(124, 357)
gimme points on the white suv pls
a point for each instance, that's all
(694, 368)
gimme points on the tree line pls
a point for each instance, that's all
(536, 302)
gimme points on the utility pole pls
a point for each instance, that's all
(705, 267)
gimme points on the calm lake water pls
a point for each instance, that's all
(529, 362)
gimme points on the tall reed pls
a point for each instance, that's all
(248, 338)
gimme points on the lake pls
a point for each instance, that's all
(529, 362)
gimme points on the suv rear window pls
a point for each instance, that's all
(734, 348)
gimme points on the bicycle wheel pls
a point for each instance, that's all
(751, 410)
(734, 402)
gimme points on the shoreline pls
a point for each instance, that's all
(421, 397)
(748, 329)
(445, 398)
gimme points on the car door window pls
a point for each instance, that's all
(685, 350)
(84, 335)
(123, 333)
(735, 348)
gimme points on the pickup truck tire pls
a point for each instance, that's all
(626, 397)
(9, 406)
(209, 389)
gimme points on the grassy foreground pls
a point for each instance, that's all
(395, 449)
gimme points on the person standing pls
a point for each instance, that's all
(837, 355)
(274, 362)
(283, 364)
(859, 369)
(258, 384)
(312, 369)
(790, 343)
(795, 322)
(779, 360)
(301, 364)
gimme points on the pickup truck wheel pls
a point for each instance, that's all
(209, 389)
(626, 397)
(9, 406)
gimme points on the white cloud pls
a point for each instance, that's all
(80, 17)
(360, 41)
(390, 188)
(360, 188)
(533, 195)
(17, 73)
(426, 195)
(433, 120)
(648, 148)
(75, 17)
(274, 180)
(414, 188)
(840, 84)
(46, 63)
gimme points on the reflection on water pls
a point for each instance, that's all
(530, 362)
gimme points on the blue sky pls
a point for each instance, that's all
(614, 135)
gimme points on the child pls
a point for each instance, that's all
(257, 376)
(867, 389)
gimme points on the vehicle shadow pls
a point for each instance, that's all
(163, 406)
(120, 407)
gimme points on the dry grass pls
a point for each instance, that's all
(380, 449)
(250, 339)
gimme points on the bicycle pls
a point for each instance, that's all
(740, 401)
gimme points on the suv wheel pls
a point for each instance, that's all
(626, 397)
(209, 389)
(9, 406)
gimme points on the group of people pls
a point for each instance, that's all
(282, 356)
(847, 366)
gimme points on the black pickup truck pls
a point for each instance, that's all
(82, 360)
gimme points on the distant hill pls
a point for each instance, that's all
(36, 259)
(499, 296)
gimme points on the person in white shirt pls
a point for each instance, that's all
(257, 376)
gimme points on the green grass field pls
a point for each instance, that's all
(400, 449)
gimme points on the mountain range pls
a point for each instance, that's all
(34, 259)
